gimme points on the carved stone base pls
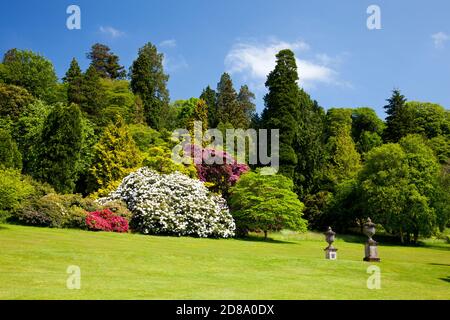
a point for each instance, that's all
(370, 259)
(371, 251)
(331, 253)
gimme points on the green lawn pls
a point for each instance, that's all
(33, 263)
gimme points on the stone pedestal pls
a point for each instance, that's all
(371, 247)
(331, 253)
(371, 251)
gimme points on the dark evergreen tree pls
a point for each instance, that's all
(397, 120)
(93, 95)
(74, 81)
(149, 81)
(247, 110)
(210, 97)
(227, 104)
(60, 148)
(105, 62)
(282, 108)
(10, 156)
(309, 146)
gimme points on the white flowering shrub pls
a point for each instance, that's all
(173, 204)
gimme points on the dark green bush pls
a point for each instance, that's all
(56, 211)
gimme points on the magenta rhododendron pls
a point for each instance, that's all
(223, 174)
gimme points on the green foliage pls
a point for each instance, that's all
(14, 188)
(115, 156)
(398, 184)
(145, 137)
(315, 209)
(367, 129)
(27, 133)
(56, 211)
(441, 147)
(247, 108)
(148, 80)
(74, 80)
(428, 119)
(105, 62)
(282, 108)
(267, 203)
(192, 110)
(345, 208)
(210, 97)
(31, 71)
(10, 156)
(119, 101)
(309, 146)
(156, 148)
(60, 148)
(13, 100)
(398, 121)
(93, 96)
(343, 160)
(159, 158)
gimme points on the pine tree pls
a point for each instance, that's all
(210, 97)
(309, 146)
(247, 107)
(74, 81)
(397, 120)
(282, 108)
(227, 104)
(60, 148)
(105, 62)
(149, 81)
(93, 95)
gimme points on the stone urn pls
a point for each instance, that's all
(371, 246)
(369, 228)
(330, 251)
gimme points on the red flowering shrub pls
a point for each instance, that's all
(106, 220)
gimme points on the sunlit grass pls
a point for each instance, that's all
(33, 263)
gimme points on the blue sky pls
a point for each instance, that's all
(341, 62)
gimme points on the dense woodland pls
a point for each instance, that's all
(64, 144)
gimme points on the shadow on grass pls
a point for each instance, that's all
(445, 279)
(440, 264)
(255, 238)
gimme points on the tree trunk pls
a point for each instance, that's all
(265, 234)
(416, 237)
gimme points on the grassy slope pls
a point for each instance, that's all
(33, 263)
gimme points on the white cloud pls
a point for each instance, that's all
(172, 65)
(439, 39)
(171, 43)
(254, 61)
(112, 32)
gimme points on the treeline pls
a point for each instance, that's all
(87, 132)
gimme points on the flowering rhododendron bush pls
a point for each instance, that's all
(222, 175)
(106, 220)
(173, 204)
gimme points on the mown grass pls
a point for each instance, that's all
(33, 264)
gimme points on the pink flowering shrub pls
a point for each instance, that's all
(106, 220)
(222, 175)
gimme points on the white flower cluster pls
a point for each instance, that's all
(173, 204)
